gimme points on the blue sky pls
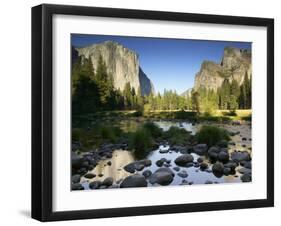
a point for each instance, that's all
(169, 63)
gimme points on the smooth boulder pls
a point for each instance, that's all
(239, 156)
(76, 160)
(146, 173)
(246, 178)
(132, 181)
(213, 152)
(200, 149)
(204, 166)
(77, 186)
(130, 168)
(223, 156)
(76, 178)
(217, 169)
(95, 184)
(107, 181)
(162, 176)
(183, 174)
(183, 160)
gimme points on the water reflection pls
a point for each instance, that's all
(114, 167)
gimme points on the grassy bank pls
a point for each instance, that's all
(216, 116)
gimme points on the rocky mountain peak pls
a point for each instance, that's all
(122, 63)
(235, 65)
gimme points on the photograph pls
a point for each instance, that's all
(152, 112)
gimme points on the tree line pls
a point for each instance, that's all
(93, 90)
(230, 96)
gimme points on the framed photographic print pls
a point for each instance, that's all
(146, 112)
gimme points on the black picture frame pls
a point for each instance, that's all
(42, 111)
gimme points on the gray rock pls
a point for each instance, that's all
(239, 156)
(85, 164)
(76, 178)
(166, 164)
(183, 174)
(162, 176)
(146, 173)
(107, 182)
(132, 181)
(218, 168)
(226, 171)
(180, 148)
(213, 152)
(76, 160)
(82, 171)
(223, 156)
(130, 168)
(145, 162)
(246, 178)
(159, 163)
(245, 171)
(204, 166)
(77, 186)
(232, 165)
(246, 164)
(139, 167)
(164, 151)
(95, 184)
(176, 168)
(182, 160)
(200, 149)
(189, 164)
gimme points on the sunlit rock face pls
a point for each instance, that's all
(122, 63)
(235, 65)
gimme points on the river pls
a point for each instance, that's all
(121, 158)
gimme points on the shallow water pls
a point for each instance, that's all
(121, 158)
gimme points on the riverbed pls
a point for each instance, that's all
(113, 167)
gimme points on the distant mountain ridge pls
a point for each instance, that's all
(122, 63)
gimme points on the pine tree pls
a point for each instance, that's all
(233, 105)
(127, 93)
(104, 83)
(195, 101)
(225, 94)
(234, 88)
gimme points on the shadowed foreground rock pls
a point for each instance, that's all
(134, 181)
(183, 160)
(162, 176)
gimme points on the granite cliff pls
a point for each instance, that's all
(122, 63)
(235, 65)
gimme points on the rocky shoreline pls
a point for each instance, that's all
(219, 160)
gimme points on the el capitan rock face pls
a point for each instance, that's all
(122, 63)
(235, 65)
